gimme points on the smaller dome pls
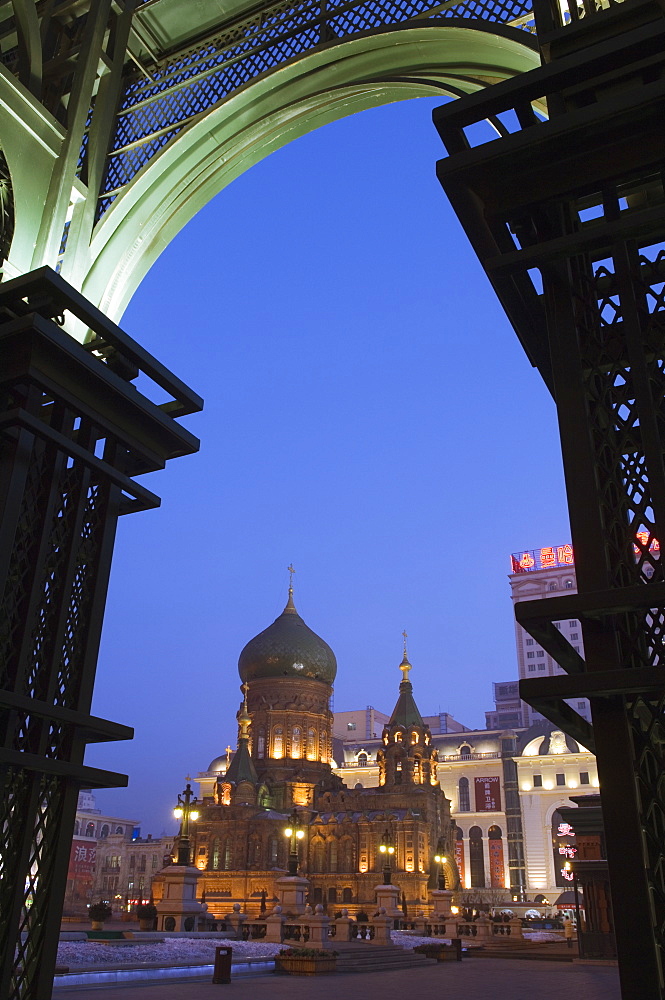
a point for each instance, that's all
(219, 764)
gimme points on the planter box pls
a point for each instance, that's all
(292, 965)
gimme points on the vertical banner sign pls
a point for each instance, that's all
(459, 859)
(488, 794)
(497, 874)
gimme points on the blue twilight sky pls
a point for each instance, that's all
(370, 416)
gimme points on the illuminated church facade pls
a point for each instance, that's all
(284, 762)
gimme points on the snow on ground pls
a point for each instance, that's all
(76, 954)
(80, 953)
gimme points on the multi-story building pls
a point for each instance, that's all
(92, 828)
(125, 868)
(539, 573)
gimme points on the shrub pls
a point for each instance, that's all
(146, 911)
(100, 911)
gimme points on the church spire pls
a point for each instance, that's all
(242, 767)
(406, 711)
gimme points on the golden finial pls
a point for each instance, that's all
(405, 666)
(290, 606)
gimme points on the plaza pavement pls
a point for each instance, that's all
(474, 979)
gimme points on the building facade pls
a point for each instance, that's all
(283, 772)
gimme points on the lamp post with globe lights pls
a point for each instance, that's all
(186, 812)
(295, 833)
(441, 860)
(387, 849)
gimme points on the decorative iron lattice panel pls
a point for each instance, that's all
(66, 446)
(153, 111)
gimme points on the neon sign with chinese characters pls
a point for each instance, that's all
(550, 557)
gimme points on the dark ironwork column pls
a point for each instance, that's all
(567, 216)
(73, 431)
(513, 809)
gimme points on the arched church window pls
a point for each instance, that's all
(296, 742)
(417, 771)
(272, 851)
(398, 737)
(323, 747)
(311, 744)
(256, 853)
(261, 743)
(463, 800)
(215, 854)
(362, 760)
(345, 855)
(476, 858)
(227, 856)
(278, 742)
(414, 738)
(332, 855)
(318, 856)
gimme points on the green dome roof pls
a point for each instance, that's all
(288, 648)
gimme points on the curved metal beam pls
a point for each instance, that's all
(29, 45)
(324, 85)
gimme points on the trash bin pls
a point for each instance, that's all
(222, 972)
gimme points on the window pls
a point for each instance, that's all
(584, 777)
(541, 666)
(278, 742)
(311, 744)
(576, 648)
(476, 857)
(296, 742)
(261, 743)
(561, 779)
(529, 642)
(574, 635)
(573, 622)
(540, 654)
(537, 781)
(530, 656)
(581, 704)
(552, 586)
(104, 831)
(132, 860)
(351, 726)
(362, 760)
(464, 803)
(119, 829)
(568, 584)
(465, 751)
(557, 625)
(532, 666)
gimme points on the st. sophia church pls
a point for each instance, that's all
(284, 763)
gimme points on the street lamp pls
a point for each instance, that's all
(294, 832)
(387, 848)
(186, 813)
(441, 859)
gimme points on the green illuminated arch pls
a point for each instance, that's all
(283, 104)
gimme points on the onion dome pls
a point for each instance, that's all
(288, 648)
